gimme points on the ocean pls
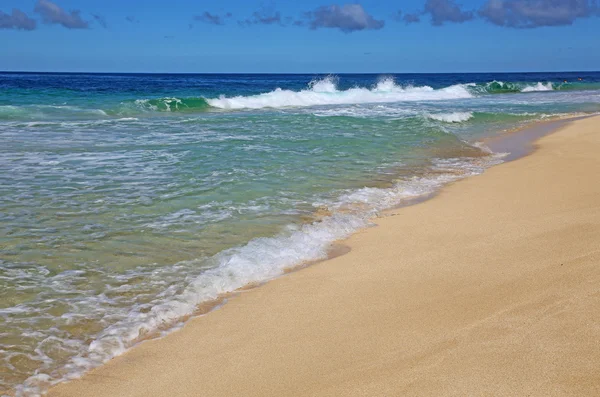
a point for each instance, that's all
(127, 200)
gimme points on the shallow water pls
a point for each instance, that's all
(127, 200)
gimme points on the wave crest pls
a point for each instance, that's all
(501, 87)
(326, 92)
(538, 87)
(170, 104)
(455, 117)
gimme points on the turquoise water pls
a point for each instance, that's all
(127, 200)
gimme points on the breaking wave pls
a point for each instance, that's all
(455, 117)
(169, 104)
(501, 87)
(538, 87)
(322, 92)
(326, 92)
(319, 92)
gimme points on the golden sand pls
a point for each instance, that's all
(491, 288)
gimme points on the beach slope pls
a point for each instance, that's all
(490, 288)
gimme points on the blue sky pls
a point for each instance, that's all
(308, 36)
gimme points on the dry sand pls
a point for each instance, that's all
(491, 288)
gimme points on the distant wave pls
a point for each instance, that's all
(28, 112)
(322, 92)
(325, 92)
(501, 87)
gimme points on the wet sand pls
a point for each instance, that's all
(492, 287)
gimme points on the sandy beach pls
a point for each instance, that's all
(490, 288)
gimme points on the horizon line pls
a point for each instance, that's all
(284, 73)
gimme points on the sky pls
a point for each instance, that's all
(246, 36)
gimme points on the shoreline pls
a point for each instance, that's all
(147, 347)
(521, 142)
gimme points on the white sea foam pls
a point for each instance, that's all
(259, 260)
(166, 104)
(73, 109)
(455, 117)
(325, 92)
(364, 111)
(538, 87)
(71, 124)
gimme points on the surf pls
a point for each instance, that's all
(325, 92)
